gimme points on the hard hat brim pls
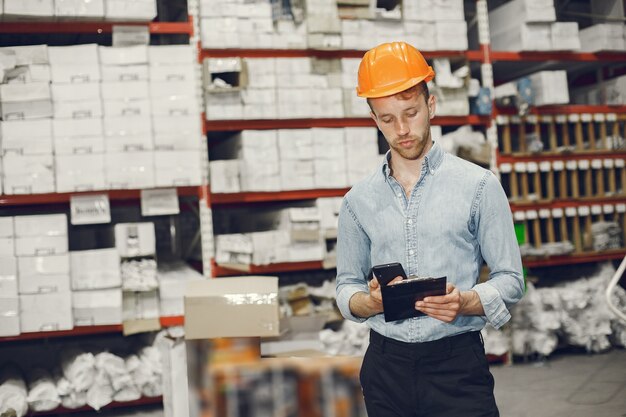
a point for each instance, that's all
(394, 89)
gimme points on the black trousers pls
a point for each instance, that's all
(443, 378)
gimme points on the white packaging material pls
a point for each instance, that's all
(97, 307)
(146, 369)
(603, 37)
(135, 239)
(9, 316)
(78, 136)
(139, 275)
(125, 73)
(40, 225)
(73, 55)
(79, 8)
(42, 391)
(523, 37)
(8, 277)
(27, 55)
(550, 87)
(25, 101)
(44, 274)
(46, 312)
(178, 168)
(123, 55)
(26, 137)
(564, 36)
(95, 269)
(13, 392)
(175, 381)
(114, 368)
(224, 176)
(129, 170)
(100, 393)
(140, 305)
(171, 55)
(33, 73)
(29, 8)
(79, 368)
(295, 144)
(172, 283)
(31, 174)
(79, 173)
(130, 10)
(297, 174)
(128, 133)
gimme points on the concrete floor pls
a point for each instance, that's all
(566, 385)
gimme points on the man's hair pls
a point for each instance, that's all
(420, 88)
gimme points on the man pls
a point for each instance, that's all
(437, 215)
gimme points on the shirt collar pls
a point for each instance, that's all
(432, 161)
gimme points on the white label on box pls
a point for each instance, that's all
(574, 118)
(532, 119)
(90, 209)
(571, 165)
(544, 213)
(532, 166)
(608, 163)
(124, 35)
(531, 214)
(519, 216)
(583, 164)
(611, 117)
(547, 119)
(584, 210)
(557, 213)
(586, 117)
(596, 209)
(560, 118)
(571, 211)
(558, 165)
(520, 167)
(545, 166)
(598, 117)
(619, 163)
(516, 119)
(506, 168)
(596, 164)
(159, 202)
(608, 208)
(502, 120)
(620, 208)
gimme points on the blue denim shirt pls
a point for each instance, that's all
(456, 216)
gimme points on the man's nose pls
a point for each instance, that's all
(402, 127)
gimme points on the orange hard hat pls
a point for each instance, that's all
(391, 68)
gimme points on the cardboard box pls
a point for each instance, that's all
(125, 73)
(330, 173)
(176, 107)
(46, 312)
(328, 143)
(172, 284)
(140, 305)
(28, 8)
(224, 176)
(78, 136)
(75, 74)
(34, 73)
(25, 101)
(451, 36)
(40, 225)
(502, 18)
(239, 299)
(73, 55)
(564, 36)
(88, 109)
(7, 229)
(95, 269)
(31, 174)
(259, 176)
(449, 10)
(79, 8)
(74, 92)
(9, 316)
(79, 173)
(7, 246)
(144, 10)
(40, 245)
(129, 170)
(131, 133)
(28, 55)
(135, 239)
(26, 137)
(178, 168)
(165, 73)
(172, 89)
(171, 55)
(297, 175)
(123, 55)
(137, 107)
(44, 274)
(97, 307)
(295, 144)
(603, 37)
(523, 37)
(8, 277)
(550, 87)
(125, 90)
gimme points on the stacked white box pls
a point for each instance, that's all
(296, 159)
(329, 156)
(603, 37)
(564, 36)
(522, 25)
(224, 106)
(362, 156)
(44, 274)
(8, 277)
(95, 269)
(451, 35)
(40, 235)
(97, 307)
(172, 283)
(270, 247)
(129, 170)
(550, 87)
(140, 305)
(78, 136)
(9, 316)
(79, 8)
(9, 311)
(128, 134)
(26, 137)
(74, 64)
(177, 168)
(418, 10)
(259, 162)
(25, 101)
(524, 37)
(354, 106)
(7, 237)
(76, 101)
(422, 35)
(46, 312)
(130, 10)
(80, 173)
(323, 24)
(224, 176)
(28, 8)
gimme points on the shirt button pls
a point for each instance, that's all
(410, 221)
(399, 195)
(411, 252)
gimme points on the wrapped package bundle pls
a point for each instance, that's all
(13, 393)
(42, 391)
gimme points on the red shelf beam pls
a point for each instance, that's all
(163, 28)
(511, 159)
(233, 125)
(566, 203)
(319, 53)
(558, 56)
(87, 330)
(566, 109)
(573, 259)
(258, 197)
(223, 271)
(60, 198)
(127, 404)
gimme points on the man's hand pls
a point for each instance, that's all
(366, 305)
(448, 307)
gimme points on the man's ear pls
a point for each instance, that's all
(432, 106)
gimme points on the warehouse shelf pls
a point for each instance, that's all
(59, 198)
(87, 330)
(557, 56)
(536, 262)
(323, 53)
(562, 203)
(116, 404)
(566, 109)
(155, 28)
(232, 125)
(273, 196)
(570, 156)
(231, 270)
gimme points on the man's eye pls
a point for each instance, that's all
(412, 114)
(386, 120)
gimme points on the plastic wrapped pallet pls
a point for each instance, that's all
(42, 391)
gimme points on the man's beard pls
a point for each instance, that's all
(418, 145)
